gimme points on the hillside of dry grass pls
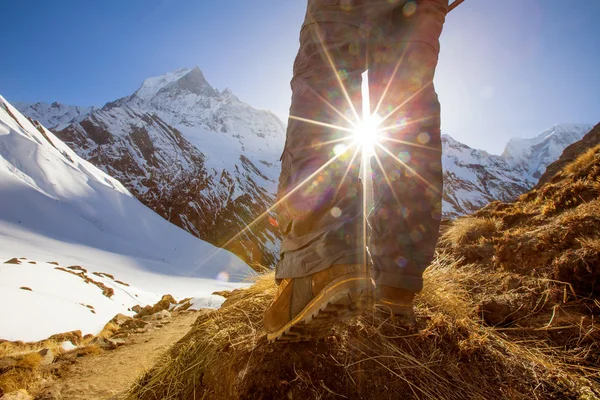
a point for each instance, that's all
(591, 139)
(508, 312)
(449, 355)
(552, 232)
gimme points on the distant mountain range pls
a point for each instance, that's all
(209, 163)
(199, 157)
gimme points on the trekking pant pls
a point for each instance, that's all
(321, 212)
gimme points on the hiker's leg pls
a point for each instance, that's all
(407, 169)
(319, 215)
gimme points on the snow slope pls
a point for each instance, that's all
(58, 207)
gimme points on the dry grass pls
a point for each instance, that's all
(18, 378)
(24, 374)
(31, 361)
(19, 349)
(451, 354)
(21, 363)
(109, 330)
(583, 161)
(88, 350)
(551, 232)
(471, 229)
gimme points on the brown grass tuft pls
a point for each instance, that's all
(471, 229)
(31, 361)
(109, 330)
(583, 162)
(88, 350)
(17, 378)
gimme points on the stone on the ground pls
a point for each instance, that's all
(103, 343)
(143, 312)
(120, 319)
(47, 356)
(161, 315)
(132, 325)
(118, 341)
(163, 304)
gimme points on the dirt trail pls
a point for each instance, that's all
(106, 375)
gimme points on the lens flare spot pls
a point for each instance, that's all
(339, 149)
(336, 212)
(222, 276)
(401, 261)
(409, 8)
(404, 156)
(423, 138)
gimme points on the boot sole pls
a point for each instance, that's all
(340, 300)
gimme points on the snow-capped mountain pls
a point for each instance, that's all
(58, 207)
(570, 154)
(55, 116)
(532, 156)
(473, 178)
(199, 157)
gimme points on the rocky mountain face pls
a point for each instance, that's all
(55, 116)
(199, 157)
(473, 178)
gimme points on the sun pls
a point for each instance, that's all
(366, 134)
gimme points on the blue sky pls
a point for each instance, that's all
(509, 68)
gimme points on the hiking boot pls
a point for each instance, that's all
(306, 308)
(394, 301)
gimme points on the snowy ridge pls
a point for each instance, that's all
(532, 156)
(55, 116)
(473, 178)
(58, 207)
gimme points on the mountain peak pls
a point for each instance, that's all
(532, 155)
(195, 82)
(184, 79)
(228, 94)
